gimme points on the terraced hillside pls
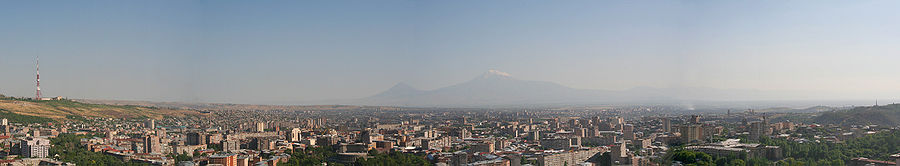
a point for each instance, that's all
(68, 109)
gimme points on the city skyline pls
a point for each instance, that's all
(237, 52)
(449, 83)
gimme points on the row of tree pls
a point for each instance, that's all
(311, 156)
(692, 158)
(875, 146)
(319, 155)
(392, 158)
(68, 147)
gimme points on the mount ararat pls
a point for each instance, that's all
(495, 88)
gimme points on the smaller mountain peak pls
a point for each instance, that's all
(399, 90)
(402, 85)
(496, 73)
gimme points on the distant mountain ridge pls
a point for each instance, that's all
(493, 87)
(496, 88)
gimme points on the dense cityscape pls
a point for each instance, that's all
(611, 135)
(449, 83)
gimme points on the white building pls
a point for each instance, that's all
(150, 124)
(36, 148)
(295, 135)
(260, 126)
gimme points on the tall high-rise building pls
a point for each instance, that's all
(135, 147)
(35, 148)
(295, 135)
(465, 134)
(4, 126)
(695, 119)
(262, 143)
(150, 124)
(260, 126)
(365, 136)
(152, 145)
(230, 145)
(196, 138)
(757, 130)
(535, 136)
(667, 125)
(429, 133)
(628, 131)
(556, 124)
(616, 120)
(619, 150)
(213, 138)
(619, 155)
(161, 132)
(692, 133)
(459, 159)
(500, 144)
(581, 132)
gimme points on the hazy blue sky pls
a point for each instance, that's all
(277, 51)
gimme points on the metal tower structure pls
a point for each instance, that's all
(37, 94)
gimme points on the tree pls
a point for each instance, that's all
(690, 157)
(758, 162)
(393, 158)
(68, 147)
(182, 157)
(876, 146)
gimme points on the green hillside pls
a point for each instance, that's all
(888, 115)
(19, 108)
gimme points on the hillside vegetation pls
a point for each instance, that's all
(71, 110)
(888, 115)
(19, 118)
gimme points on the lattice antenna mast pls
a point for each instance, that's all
(37, 94)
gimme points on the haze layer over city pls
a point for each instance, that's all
(449, 83)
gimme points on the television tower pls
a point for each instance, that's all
(37, 94)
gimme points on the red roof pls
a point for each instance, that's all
(874, 161)
(131, 139)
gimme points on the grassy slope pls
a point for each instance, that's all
(64, 109)
(25, 119)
